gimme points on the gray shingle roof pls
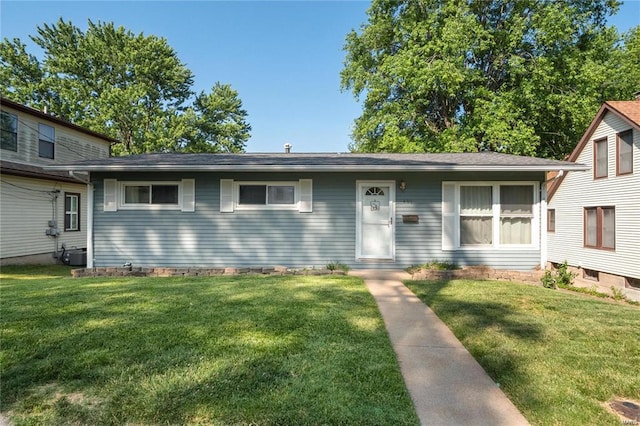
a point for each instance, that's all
(321, 162)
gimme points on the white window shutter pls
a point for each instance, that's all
(188, 195)
(448, 216)
(226, 195)
(110, 195)
(306, 196)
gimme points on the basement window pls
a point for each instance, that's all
(590, 274)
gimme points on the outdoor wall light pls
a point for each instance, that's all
(403, 185)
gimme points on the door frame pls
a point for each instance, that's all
(360, 184)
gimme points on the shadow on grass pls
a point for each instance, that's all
(469, 320)
(273, 350)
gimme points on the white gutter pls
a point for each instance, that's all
(89, 211)
(89, 225)
(543, 225)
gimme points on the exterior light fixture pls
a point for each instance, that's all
(403, 185)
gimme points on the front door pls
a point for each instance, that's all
(374, 220)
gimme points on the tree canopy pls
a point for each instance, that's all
(523, 77)
(131, 87)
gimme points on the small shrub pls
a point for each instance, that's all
(617, 294)
(335, 266)
(548, 280)
(561, 277)
(435, 265)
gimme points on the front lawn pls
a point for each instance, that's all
(559, 357)
(221, 350)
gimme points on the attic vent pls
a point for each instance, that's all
(287, 148)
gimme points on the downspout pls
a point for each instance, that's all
(89, 211)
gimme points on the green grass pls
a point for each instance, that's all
(559, 357)
(221, 350)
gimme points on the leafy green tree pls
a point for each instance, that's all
(132, 87)
(521, 77)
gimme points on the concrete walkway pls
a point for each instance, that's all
(446, 384)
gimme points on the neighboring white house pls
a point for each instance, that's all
(594, 217)
(41, 210)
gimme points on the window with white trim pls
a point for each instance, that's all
(478, 215)
(71, 211)
(161, 195)
(267, 195)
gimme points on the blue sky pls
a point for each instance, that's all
(284, 57)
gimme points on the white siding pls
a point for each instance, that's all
(70, 145)
(579, 190)
(26, 207)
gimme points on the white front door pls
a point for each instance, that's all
(374, 220)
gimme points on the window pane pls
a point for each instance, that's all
(9, 131)
(591, 228)
(475, 230)
(47, 133)
(253, 194)
(601, 162)
(71, 212)
(164, 194)
(516, 199)
(515, 231)
(136, 194)
(551, 220)
(45, 149)
(608, 227)
(476, 200)
(625, 152)
(281, 195)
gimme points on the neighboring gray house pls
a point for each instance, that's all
(40, 210)
(297, 210)
(595, 216)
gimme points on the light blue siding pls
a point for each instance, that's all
(209, 238)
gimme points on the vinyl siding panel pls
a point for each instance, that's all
(579, 190)
(208, 237)
(26, 206)
(70, 145)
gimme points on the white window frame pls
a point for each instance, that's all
(72, 213)
(454, 217)
(296, 195)
(148, 206)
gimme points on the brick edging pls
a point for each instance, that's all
(195, 272)
(480, 272)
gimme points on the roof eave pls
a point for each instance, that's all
(317, 168)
